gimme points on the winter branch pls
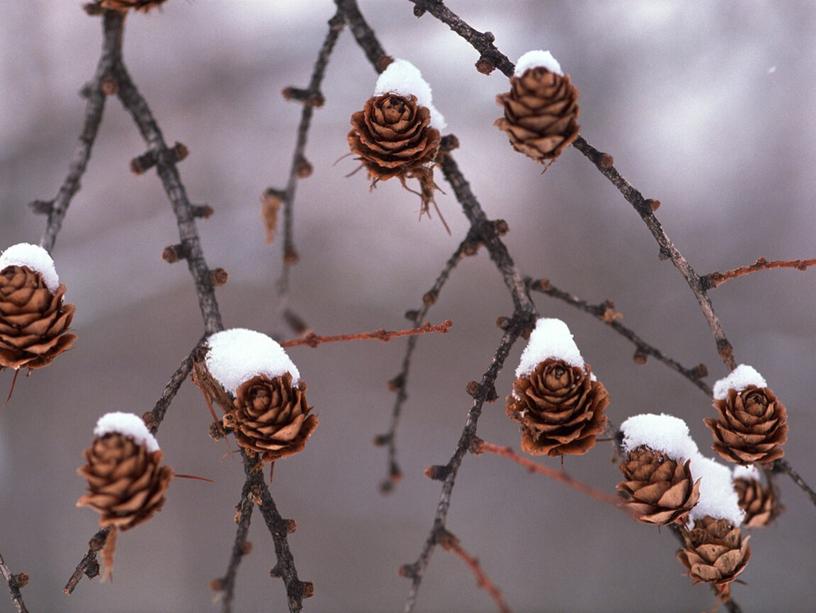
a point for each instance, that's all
(14, 582)
(240, 548)
(313, 340)
(715, 279)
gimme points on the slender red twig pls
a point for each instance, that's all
(313, 340)
(715, 279)
(449, 542)
(480, 446)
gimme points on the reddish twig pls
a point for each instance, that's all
(479, 446)
(715, 279)
(449, 542)
(313, 340)
(14, 582)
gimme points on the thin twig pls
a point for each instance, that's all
(480, 446)
(450, 542)
(239, 547)
(14, 583)
(313, 340)
(96, 93)
(399, 383)
(310, 98)
(715, 279)
(605, 312)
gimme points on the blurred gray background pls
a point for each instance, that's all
(706, 106)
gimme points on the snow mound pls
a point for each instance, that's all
(403, 78)
(126, 424)
(34, 257)
(739, 378)
(663, 433)
(536, 59)
(749, 472)
(718, 498)
(550, 339)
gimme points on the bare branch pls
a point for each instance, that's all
(313, 340)
(243, 516)
(715, 279)
(14, 583)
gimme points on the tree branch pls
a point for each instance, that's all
(715, 279)
(243, 516)
(313, 340)
(14, 583)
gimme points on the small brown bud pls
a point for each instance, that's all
(41, 207)
(449, 142)
(217, 585)
(437, 472)
(97, 541)
(381, 440)
(610, 314)
(502, 322)
(383, 62)
(640, 356)
(246, 548)
(653, 204)
(276, 572)
(412, 315)
(606, 161)
(290, 525)
(20, 580)
(179, 152)
(290, 256)
(473, 388)
(502, 227)
(218, 277)
(406, 570)
(173, 253)
(307, 589)
(418, 11)
(397, 383)
(202, 210)
(109, 86)
(429, 298)
(303, 168)
(700, 371)
(471, 248)
(488, 37)
(141, 164)
(92, 569)
(485, 65)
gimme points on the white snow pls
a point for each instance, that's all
(550, 339)
(740, 378)
(534, 59)
(126, 424)
(403, 78)
(663, 433)
(34, 257)
(749, 472)
(718, 498)
(237, 355)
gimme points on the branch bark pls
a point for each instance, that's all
(14, 583)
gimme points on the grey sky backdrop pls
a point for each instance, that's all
(706, 106)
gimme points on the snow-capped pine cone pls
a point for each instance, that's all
(33, 321)
(752, 426)
(715, 552)
(560, 408)
(270, 417)
(540, 113)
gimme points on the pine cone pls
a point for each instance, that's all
(560, 408)
(752, 426)
(540, 113)
(33, 321)
(125, 5)
(270, 417)
(659, 490)
(715, 552)
(392, 136)
(759, 502)
(126, 481)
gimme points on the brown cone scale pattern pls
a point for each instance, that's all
(752, 426)
(33, 321)
(270, 417)
(658, 489)
(126, 5)
(758, 500)
(540, 113)
(126, 482)
(714, 551)
(560, 408)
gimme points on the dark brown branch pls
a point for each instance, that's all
(715, 279)
(243, 517)
(309, 96)
(313, 340)
(479, 446)
(449, 542)
(96, 93)
(363, 34)
(14, 582)
(601, 312)
(399, 383)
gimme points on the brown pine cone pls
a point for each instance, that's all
(126, 481)
(270, 417)
(33, 321)
(714, 551)
(560, 408)
(752, 426)
(540, 113)
(392, 136)
(659, 490)
(758, 500)
(125, 5)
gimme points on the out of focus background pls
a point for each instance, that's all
(706, 106)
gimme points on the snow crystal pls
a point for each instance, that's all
(717, 495)
(663, 433)
(237, 355)
(550, 339)
(740, 378)
(403, 78)
(746, 472)
(34, 257)
(126, 424)
(534, 59)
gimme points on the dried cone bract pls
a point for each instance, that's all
(126, 5)
(659, 490)
(714, 551)
(33, 321)
(752, 426)
(560, 408)
(126, 482)
(392, 136)
(540, 113)
(758, 500)
(270, 417)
